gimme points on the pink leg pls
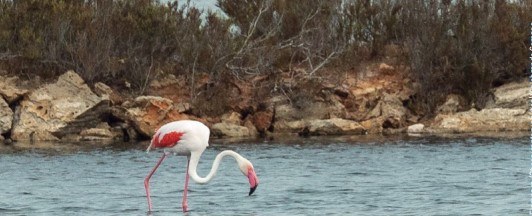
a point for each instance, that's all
(185, 191)
(147, 181)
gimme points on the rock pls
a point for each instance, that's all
(368, 92)
(96, 134)
(283, 126)
(385, 68)
(55, 110)
(374, 125)
(101, 89)
(6, 117)
(171, 87)
(183, 107)
(102, 132)
(511, 95)
(105, 91)
(155, 100)
(453, 104)
(495, 119)
(311, 110)
(262, 120)
(252, 130)
(230, 130)
(232, 118)
(124, 131)
(9, 89)
(392, 122)
(416, 128)
(285, 112)
(364, 92)
(342, 92)
(334, 126)
(389, 112)
(388, 106)
(168, 80)
(147, 113)
(131, 134)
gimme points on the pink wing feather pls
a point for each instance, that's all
(165, 140)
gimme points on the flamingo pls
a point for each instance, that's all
(190, 138)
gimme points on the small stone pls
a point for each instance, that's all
(416, 128)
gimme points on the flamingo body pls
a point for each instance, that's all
(191, 138)
(181, 137)
(166, 140)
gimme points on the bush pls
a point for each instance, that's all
(462, 47)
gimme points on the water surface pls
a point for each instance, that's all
(318, 176)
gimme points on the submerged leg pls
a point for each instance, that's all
(185, 191)
(147, 180)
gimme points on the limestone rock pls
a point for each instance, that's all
(183, 107)
(285, 112)
(9, 89)
(6, 117)
(102, 132)
(105, 91)
(511, 95)
(311, 110)
(416, 128)
(96, 133)
(54, 110)
(453, 104)
(334, 126)
(389, 111)
(283, 126)
(252, 129)
(171, 87)
(147, 113)
(232, 118)
(373, 125)
(495, 119)
(262, 120)
(385, 68)
(230, 130)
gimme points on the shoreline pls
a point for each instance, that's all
(70, 110)
(65, 147)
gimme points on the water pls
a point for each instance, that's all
(324, 176)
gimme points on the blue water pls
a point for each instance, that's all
(316, 176)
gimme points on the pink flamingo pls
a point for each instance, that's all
(191, 138)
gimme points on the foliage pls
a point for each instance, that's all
(463, 47)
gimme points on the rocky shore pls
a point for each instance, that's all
(69, 109)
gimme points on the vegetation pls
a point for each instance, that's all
(462, 47)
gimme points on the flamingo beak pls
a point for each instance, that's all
(253, 181)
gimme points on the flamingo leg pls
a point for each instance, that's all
(147, 180)
(185, 191)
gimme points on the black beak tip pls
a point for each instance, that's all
(251, 190)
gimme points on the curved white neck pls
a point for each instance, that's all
(194, 160)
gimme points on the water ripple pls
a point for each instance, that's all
(330, 176)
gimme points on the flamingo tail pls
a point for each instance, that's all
(149, 147)
(153, 140)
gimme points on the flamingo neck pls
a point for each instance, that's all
(194, 160)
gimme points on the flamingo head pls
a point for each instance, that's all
(247, 169)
